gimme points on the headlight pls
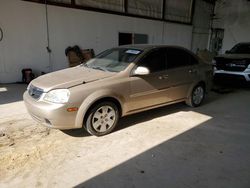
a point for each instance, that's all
(57, 96)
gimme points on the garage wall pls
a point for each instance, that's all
(201, 24)
(233, 16)
(99, 31)
(25, 39)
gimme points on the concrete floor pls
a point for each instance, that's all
(174, 146)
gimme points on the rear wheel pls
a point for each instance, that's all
(197, 96)
(102, 118)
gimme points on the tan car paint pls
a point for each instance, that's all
(70, 77)
(133, 93)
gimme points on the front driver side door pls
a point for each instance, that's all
(150, 90)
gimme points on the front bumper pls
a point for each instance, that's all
(233, 75)
(50, 115)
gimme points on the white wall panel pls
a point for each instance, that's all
(24, 42)
(178, 34)
(25, 39)
(201, 25)
(234, 17)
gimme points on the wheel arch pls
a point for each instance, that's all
(201, 82)
(105, 99)
(94, 99)
(189, 96)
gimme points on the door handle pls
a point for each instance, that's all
(1, 34)
(162, 77)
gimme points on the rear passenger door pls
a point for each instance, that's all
(182, 71)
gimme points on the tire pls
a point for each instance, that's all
(197, 96)
(102, 118)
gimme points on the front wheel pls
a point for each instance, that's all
(197, 96)
(102, 118)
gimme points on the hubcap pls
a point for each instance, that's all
(198, 95)
(103, 119)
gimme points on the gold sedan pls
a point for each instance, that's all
(118, 82)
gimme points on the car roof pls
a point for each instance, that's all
(248, 43)
(148, 46)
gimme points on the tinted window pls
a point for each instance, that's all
(241, 49)
(178, 57)
(155, 61)
(192, 60)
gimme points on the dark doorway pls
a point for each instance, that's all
(125, 38)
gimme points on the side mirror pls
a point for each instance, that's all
(141, 71)
(227, 52)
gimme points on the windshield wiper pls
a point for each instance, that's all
(84, 65)
(99, 68)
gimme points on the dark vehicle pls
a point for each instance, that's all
(235, 64)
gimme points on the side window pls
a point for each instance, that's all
(179, 58)
(155, 61)
(192, 60)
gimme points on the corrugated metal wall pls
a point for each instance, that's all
(179, 11)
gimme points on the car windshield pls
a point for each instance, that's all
(113, 60)
(241, 49)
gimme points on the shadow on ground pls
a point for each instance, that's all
(76, 132)
(215, 153)
(219, 88)
(10, 93)
(226, 86)
(206, 156)
(131, 120)
(141, 117)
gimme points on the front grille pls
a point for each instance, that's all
(229, 77)
(35, 92)
(231, 64)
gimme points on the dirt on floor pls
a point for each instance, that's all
(21, 143)
(27, 148)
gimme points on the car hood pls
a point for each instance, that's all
(69, 77)
(234, 56)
